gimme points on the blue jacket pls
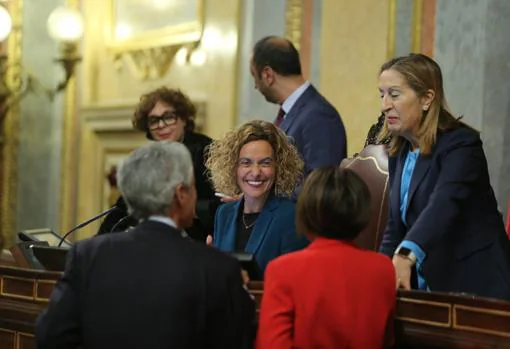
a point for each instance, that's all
(452, 215)
(273, 234)
(315, 127)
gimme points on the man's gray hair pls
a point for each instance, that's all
(148, 177)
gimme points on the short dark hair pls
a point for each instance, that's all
(277, 53)
(333, 203)
(184, 108)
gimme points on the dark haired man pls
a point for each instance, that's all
(305, 115)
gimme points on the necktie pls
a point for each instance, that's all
(279, 118)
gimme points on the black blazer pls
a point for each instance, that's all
(453, 216)
(207, 203)
(146, 288)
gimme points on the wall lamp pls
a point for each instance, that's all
(65, 26)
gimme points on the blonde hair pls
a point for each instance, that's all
(422, 73)
(223, 156)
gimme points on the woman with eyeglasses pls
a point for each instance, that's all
(168, 115)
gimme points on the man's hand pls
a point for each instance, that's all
(209, 240)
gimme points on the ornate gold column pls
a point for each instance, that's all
(10, 128)
(70, 144)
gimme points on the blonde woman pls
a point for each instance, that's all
(258, 162)
(444, 231)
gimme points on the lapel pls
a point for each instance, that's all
(229, 240)
(294, 111)
(262, 225)
(397, 179)
(420, 170)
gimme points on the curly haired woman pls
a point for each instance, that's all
(258, 162)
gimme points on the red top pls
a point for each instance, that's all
(329, 295)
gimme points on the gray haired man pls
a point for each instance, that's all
(149, 287)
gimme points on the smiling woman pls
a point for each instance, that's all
(257, 161)
(168, 115)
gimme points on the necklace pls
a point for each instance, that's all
(248, 226)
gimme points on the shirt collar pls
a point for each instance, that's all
(291, 100)
(168, 221)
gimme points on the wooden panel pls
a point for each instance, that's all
(26, 341)
(423, 319)
(17, 287)
(7, 339)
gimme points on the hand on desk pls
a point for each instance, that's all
(403, 271)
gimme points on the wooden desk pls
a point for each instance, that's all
(440, 320)
(24, 294)
(423, 320)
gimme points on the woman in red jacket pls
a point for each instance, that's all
(332, 294)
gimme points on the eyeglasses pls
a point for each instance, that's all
(169, 119)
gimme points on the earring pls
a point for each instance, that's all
(425, 107)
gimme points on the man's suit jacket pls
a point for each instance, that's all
(452, 215)
(332, 294)
(273, 234)
(146, 288)
(315, 127)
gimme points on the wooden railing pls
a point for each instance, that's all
(423, 320)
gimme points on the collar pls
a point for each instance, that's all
(322, 242)
(168, 221)
(291, 100)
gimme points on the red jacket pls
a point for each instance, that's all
(329, 295)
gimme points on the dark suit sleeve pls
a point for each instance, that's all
(232, 319)
(207, 202)
(324, 141)
(59, 325)
(462, 165)
(390, 239)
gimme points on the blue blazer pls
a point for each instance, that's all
(273, 234)
(453, 216)
(315, 127)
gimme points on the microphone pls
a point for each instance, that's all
(79, 226)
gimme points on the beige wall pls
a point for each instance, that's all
(214, 83)
(353, 46)
(109, 90)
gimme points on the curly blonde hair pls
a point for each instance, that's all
(223, 156)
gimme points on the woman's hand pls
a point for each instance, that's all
(403, 267)
(209, 240)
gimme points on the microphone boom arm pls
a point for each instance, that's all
(87, 222)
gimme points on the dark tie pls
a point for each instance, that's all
(279, 118)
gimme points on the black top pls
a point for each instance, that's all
(207, 203)
(245, 224)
